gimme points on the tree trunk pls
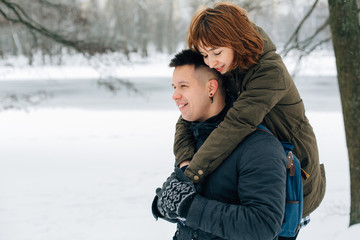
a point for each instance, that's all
(345, 29)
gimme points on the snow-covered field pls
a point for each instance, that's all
(84, 164)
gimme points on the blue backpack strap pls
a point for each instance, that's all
(288, 146)
(263, 128)
(294, 190)
(294, 196)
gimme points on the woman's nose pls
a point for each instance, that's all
(211, 62)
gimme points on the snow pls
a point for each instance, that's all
(79, 67)
(85, 164)
(74, 174)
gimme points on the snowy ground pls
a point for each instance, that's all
(84, 164)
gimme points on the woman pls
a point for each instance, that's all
(265, 92)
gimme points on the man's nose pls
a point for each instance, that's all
(176, 95)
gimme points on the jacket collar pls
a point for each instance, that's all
(201, 130)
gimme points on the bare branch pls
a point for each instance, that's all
(318, 44)
(301, 45)
(297, 30)
(114, 85)
(319, 30)
(22, 18)
(23, 101)
(306, 53)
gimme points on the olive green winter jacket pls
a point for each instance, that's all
(266, 94)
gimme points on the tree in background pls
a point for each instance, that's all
(45, 27)
(53, 28)
(345, 29)
(90, 27)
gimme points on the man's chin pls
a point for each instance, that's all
(187, 118)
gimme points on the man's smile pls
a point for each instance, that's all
(180, 106)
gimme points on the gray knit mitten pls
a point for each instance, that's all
(176, 196)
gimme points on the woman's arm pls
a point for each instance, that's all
(265, 89)
(184, 143)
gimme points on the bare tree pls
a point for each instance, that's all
(309, 44)
(345, 29)
(343, 20)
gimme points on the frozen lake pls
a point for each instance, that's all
(319, 93)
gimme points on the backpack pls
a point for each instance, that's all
(294, 190)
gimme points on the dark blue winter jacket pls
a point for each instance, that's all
(244, 197)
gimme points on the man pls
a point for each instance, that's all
(244, 197)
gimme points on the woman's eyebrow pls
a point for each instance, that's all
(212, 49)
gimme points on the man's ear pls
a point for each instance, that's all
(213, 86)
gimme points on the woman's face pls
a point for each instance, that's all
(219, 58)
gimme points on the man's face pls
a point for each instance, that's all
(190, 93)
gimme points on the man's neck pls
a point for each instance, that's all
(217, 106)
(201, 130)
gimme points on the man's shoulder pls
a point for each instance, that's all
(259, 137)
(260, 143)
(260, 151)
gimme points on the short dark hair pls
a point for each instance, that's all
(187, 57)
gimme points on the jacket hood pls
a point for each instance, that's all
(269, 46)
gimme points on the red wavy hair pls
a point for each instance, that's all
(226, 25)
